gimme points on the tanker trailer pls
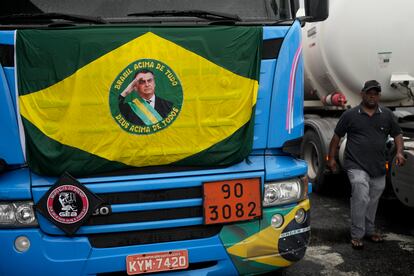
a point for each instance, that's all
(361, 40)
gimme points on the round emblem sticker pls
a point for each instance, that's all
(145, 97)
(67, 204)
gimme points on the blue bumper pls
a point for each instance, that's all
(55, 255)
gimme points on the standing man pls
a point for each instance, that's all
(145, 108)
(367, 127)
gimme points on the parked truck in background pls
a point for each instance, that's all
(361, 40)
(200, 187)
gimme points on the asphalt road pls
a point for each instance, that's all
(330, 252)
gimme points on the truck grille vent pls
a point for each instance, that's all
(191, 267)
(150, 196)
(108, 240)
(151, 215)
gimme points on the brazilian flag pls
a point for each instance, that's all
(83, 105)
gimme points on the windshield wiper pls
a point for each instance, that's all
(26, 17)
(190, 13)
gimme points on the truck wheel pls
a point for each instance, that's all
(313, 153)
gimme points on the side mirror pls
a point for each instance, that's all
(316, 10)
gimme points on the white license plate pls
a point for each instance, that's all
(156, 262)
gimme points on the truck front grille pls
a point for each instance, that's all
(116, 239)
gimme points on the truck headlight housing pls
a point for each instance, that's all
(17, 214)
(285, 191)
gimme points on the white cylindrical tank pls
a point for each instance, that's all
(362, 40)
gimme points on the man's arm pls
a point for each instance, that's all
(129, 89)
(333, 150)
(399, 145)
(396, 132)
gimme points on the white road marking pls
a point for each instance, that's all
(404, 242)
(326, 257)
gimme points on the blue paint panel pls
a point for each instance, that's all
(270, 32)
(10, 147)
(15, 185)
(278, 133)
(51, 255)
(9, 72)
(282, 167)
(267, 70)
(7, 37)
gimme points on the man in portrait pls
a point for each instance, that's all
(144, 107)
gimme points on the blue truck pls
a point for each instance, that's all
(152, 137)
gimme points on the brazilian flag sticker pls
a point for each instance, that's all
(99, 99)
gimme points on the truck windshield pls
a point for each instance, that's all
(117, 11)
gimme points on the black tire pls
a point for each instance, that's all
(313, 153)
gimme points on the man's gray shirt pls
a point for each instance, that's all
(366, 138)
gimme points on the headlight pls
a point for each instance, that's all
(283, 192)
(17, 214)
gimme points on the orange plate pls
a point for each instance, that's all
(232, 200)
(155, 262)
